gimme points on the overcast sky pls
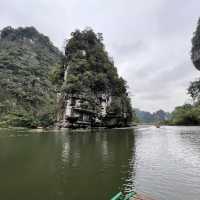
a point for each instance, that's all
(150, 40)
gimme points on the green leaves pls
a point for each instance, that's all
(20, 119)
(26, 84)
(186, 115)
(56, 75)
(194, 90)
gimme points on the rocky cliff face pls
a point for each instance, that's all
(195, 56)
(27, 96)
(91, 92)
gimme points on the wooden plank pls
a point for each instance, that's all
(141, 197)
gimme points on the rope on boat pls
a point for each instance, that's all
(121, 196)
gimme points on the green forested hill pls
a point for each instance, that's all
(27, 96)
(90, 72)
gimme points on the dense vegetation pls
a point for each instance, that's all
(188, 114)
(91, 72)
(32, 71)
(27, 96)
(185, 115)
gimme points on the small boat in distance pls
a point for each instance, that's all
(129, 196)
(157, 125)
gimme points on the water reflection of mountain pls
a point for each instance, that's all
(66, 165)
(99, 161)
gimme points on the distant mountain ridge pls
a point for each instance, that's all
(147, 117)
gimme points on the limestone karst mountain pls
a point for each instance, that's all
(195, 56)
(39, 85)
(27, 96)
(91, 91)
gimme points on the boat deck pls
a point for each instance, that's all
(140, 197)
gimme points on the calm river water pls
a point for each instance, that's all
(94, 165)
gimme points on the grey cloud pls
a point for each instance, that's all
(129, 49)
(150, 41)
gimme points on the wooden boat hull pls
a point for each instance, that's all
(130, 196)
(140, 197)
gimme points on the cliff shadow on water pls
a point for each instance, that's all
(67, 165)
